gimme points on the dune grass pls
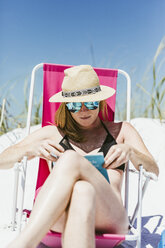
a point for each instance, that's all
(8, 121)
(154, 108)
(148, 102)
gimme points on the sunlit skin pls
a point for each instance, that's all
(74, 183)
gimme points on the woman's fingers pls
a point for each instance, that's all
(110, 159)
(117, 155)
(44, 154)
(56, 146)
(112, 155)
(46, 149)
(121, 159)
(51, 150)
(54, 155)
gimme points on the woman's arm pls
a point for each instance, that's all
(10, 156)
(133, 149)
(38, 144)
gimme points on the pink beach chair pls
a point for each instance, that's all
(52, 78)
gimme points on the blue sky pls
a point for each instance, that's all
(105, 33)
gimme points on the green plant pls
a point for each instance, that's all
(8, 121)
(36, 116)
(3, 119)
(155, 108)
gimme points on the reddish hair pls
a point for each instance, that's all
(69, 126)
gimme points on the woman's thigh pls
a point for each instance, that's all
(60, 223)
(110, 213)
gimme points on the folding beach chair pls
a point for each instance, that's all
(53, 77)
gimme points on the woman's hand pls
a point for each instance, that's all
(42, 143)
(44, 149)
(117, 155)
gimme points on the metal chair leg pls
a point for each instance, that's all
(15, 194)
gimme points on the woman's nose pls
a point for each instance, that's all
(83, 108)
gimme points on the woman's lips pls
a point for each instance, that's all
(85, 117)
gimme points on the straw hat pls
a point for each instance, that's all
(81, 84)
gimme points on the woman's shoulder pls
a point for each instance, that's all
(49, 131)
(127, 127)
(119, 130)
(113, 124)
(124, 129)
(118, 125)
(50, 128)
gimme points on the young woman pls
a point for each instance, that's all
(77, 199)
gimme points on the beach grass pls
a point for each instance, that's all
(10, 121)
(156, 106)
(152, 107)
(148, 101)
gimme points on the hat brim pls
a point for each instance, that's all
(105, 93)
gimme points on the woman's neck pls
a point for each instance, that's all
(92, 128)
(94, 137)
(95, 130)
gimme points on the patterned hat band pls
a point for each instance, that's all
(81, 92)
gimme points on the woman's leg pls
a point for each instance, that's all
(54, 197)
(51, 201)
(80, 225)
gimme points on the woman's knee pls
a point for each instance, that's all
(69, 163)
(84, 188)
(83, 198)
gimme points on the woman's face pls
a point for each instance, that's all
(85, 117)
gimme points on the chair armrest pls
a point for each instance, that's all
(147, 174)
(150, 175)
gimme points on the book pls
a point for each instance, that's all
(97, 160)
